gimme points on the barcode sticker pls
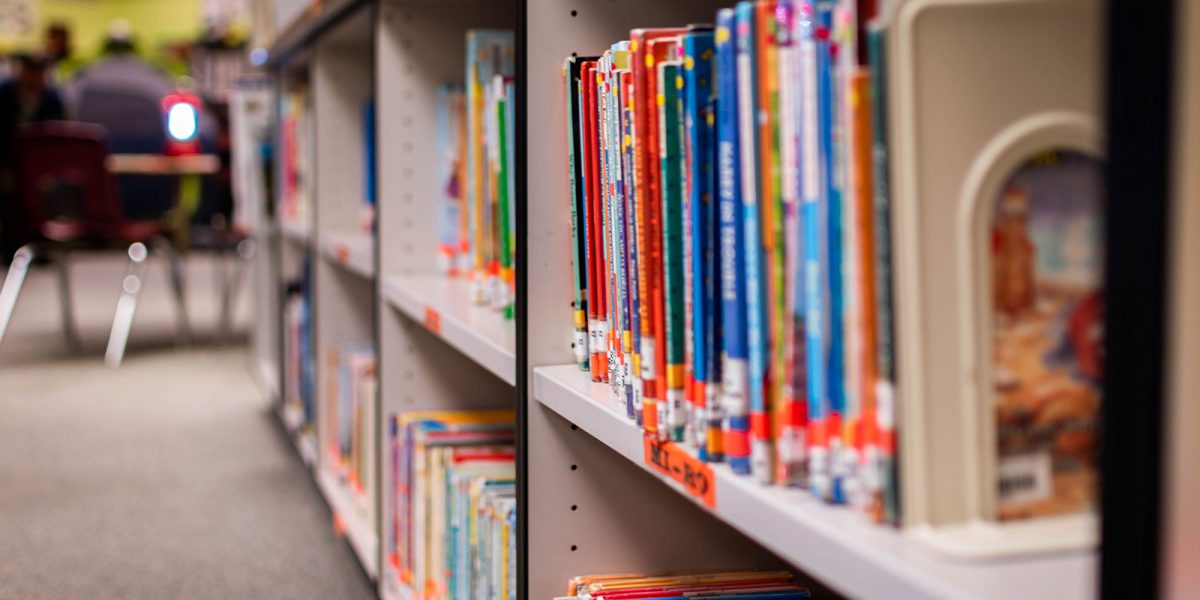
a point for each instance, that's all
(1024, 478)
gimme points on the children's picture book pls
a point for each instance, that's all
(1048, 332)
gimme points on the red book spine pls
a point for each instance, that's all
(592, 185)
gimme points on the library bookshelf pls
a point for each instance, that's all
(589, 498)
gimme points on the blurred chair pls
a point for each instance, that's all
(70, 202)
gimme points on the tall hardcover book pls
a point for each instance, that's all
(673, 418)
(697, 64)
(646, 168)
(734, 382)
(757, 335)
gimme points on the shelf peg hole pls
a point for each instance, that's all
(574, 467)
(574, 507)
(574, 547)
(574, 13)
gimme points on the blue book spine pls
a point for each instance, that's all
(756, 302)
(733, 269)
(697, 65)
(832, 263)
(627, 121)
(369, 152)
(814, 133)
(621, 230)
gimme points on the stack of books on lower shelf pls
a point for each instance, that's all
(746, 585)
(351, 416)
(452, 498)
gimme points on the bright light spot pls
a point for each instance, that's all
(181, 121)
(258, 56)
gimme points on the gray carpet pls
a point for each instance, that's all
(166, 478)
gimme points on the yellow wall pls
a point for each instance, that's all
(154, 22)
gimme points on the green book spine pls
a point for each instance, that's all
(671, 158)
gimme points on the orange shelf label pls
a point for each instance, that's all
(342, 253)
(433, 320)
(693, 474)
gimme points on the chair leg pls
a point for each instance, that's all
(221, 273)
(70, 331)
(175, 273)
(243, 255)
(12, 285)
(131, 286)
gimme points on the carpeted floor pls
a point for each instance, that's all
(166, 478)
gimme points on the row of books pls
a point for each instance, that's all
(299, 365)
(476, 147)
(732, 246)
(296, 156)
(745, 585)
(724, 270)
(452, 497)
(350, 416)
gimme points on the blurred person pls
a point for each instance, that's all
(26, 98)
(124, 93)
(60, 52)
(58, 42)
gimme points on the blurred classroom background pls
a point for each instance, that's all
(137, 256)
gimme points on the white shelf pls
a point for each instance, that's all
(835, 544)
(355, 521)
(353, 251)
(299, 233)
(479, 332)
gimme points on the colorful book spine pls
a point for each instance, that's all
(848, 319)
(575, 181)
(369, 195)
(593, 228)
(645, 213)
(828, 124)
(886, 506)
(489, 53)
(697, 71)
(508, 275)
(864, 225)
(634, 337)
(756, 309)
(603, 69)
(714, 325)
(500, 156)
(673, 419)
(449, 112)
(646, 54)
(685, 187)
(791, 438)
(623, 338)
(814, 53)
(766, 44)
(734, 383)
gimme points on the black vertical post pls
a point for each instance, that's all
(1139, 92)
(521, 314)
